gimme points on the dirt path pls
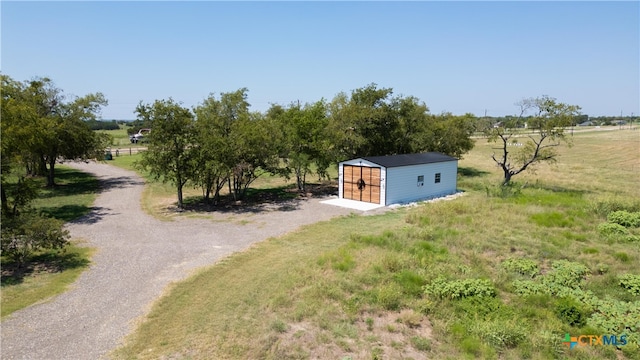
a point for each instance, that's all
(137, 257)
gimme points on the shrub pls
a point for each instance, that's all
(457, 289)
(571, 312)
(566, 273)
(612, 229)
(625, 218)
(631, 283)
(525, 267)
(29, 232)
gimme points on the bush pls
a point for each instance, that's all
(29, 232)
(625, 218)
(571, 312)
(612, 229)
(631, 283)
(457, 289)
(525, 267)
(566, 273)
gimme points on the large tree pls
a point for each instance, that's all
(216, 126)
(303, 142)
(41, 126)
(170, 156)
(540, 128)
(371, 121)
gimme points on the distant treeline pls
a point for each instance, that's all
(105, 124)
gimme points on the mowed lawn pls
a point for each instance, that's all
(492, 274)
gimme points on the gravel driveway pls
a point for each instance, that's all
(137, 257)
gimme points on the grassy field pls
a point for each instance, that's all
(50, 273)
(493, 274)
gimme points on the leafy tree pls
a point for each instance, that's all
(170, 154)
(304, 142)
(41, 127)
(215, 132)
(373, 122)
(546, 122)
(447, 133)
(255, 152)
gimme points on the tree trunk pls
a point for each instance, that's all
(179, 188)
(507, 177)
(51, 173)
(5, 205)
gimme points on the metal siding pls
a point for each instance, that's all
(401, 182)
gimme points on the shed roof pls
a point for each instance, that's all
(409, 159)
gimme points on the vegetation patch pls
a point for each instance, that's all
(458, 289)
(49, 273)
(471, 278)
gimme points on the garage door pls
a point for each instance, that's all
(361, 183)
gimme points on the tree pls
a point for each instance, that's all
(304, 145)
(215, 131)
(373, 122)
(255, 152)
(170, 154)
(41, 127)
(546, 121)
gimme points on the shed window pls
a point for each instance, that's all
(437, 178)
(420, 180)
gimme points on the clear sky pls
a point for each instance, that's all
(455, 56)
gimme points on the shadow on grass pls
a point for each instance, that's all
(47, 262)
(284, 198)
(71, 182)
(66, 212)
(471, 172)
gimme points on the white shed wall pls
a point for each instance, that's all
(402, 182)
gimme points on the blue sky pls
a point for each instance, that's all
(455, 56)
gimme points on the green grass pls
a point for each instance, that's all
(49, 273)
(72, 196)
(120, 137)
(339, 289)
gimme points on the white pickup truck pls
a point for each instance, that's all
(139, 136)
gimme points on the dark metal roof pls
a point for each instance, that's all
(409, 159)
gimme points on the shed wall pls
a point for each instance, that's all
(402, 182)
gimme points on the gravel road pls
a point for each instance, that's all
(137, 257)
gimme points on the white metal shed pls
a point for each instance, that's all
(397, 179)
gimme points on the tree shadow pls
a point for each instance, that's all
(471, 172)
(71, 182)
(95, 214)
(75, 213)
(46, 262)
(119, 182)
(284, 198)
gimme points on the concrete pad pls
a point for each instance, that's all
(352, 204)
